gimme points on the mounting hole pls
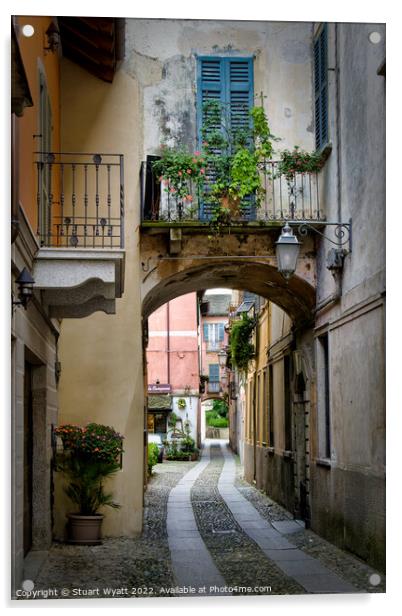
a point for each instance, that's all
(374, 579)
(28, 30)
(375, 37)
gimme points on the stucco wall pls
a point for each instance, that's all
(102, 372)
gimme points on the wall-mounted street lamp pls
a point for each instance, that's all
(222, 357)
(25, 284)
(287, 252)
(53, 38)
(288, 246)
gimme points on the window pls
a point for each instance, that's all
(229, 81)
(287, 403)
(213, 335)
(213, 383)
(323, 398)
(321, 87)
(271, 406)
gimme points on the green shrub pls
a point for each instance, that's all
(153, 453)
(219, 422)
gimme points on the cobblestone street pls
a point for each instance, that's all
(242, 539)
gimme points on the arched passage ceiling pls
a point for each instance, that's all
(296, 297)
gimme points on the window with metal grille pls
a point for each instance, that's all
(229, 81)
(321, 87)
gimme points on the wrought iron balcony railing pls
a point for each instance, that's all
(80, 199)
(214, 387)
(285, 197)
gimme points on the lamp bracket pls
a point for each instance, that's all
(342, 231)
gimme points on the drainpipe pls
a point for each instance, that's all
(168, 340)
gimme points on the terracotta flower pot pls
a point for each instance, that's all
(84, 529)
(231, 205)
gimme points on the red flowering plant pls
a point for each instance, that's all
(299, 161)
(90, 455)
(180, 172)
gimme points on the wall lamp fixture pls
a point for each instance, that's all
(53, 38)
(288, 246)
(25, 284)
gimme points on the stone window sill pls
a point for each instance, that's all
(325, 462)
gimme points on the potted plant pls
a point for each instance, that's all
(226, 172)
(90, 455)
(299, 161)
(241, 348)
(234, 159)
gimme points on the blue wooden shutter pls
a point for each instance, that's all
(221, 332)
(213, 373)
(321, 88)
(230, 81)
(206, 337)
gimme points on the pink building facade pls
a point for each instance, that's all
(173, 365)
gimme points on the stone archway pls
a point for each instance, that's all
(171, 278)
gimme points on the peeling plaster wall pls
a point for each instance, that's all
(162, 56)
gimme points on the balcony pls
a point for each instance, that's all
(79, 266)
(214, 387)
(285, 198)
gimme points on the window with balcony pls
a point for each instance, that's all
(228, 80)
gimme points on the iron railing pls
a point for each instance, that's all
(214, 387)
(80, 199)
(285, 197)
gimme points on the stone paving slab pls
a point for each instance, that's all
(286, 527)
(192, 563)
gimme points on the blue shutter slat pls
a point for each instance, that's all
(320, 88)
(221, 332)
(206, 332)
(229, 80)
(213, 373)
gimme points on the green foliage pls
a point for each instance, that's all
(220, 407)
(299, 161)
(182, 446)
(153, 453)
(234, 156)
(90, 456)
(216, 421)
(241, 349)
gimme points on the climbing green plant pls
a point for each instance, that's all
(241, 348)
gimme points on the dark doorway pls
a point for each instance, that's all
(28, 457)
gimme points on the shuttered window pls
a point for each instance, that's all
(229, 81)
(213, 373)
(321, 87)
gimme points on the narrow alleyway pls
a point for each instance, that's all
(207, 532)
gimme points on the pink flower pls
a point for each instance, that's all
(202, 170)
(189, 197)
(172, 190)
(189, 171)
(180, 173)
(197, 153)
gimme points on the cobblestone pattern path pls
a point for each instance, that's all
(241, 562)
(205, 513)
(347, 566)
(141, 563)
